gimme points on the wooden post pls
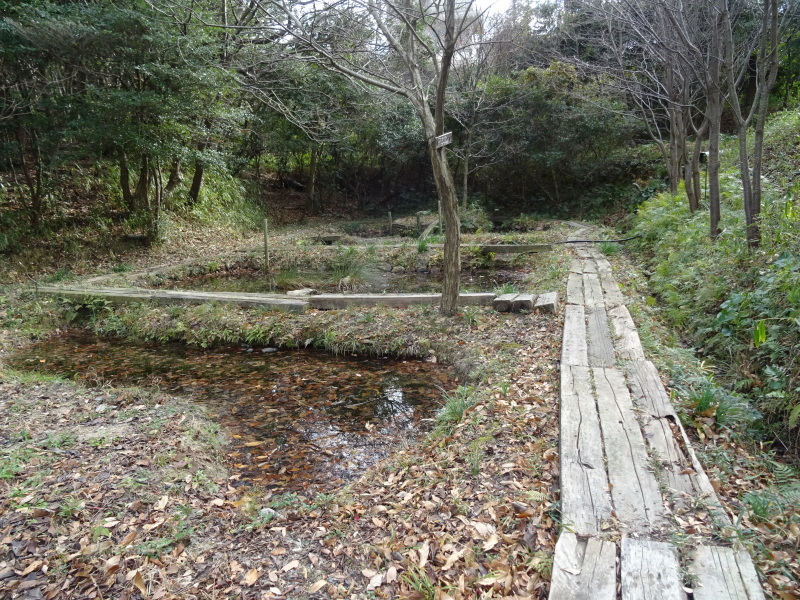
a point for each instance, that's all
(266, 245)
(441, 218)
(391, 226)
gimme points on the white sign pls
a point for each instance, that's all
(444, 139)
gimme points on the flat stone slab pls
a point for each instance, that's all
(128, 295)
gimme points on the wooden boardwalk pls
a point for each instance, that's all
(627, 466)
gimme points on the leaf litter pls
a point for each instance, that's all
(150, 511)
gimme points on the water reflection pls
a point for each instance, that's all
(298, 419)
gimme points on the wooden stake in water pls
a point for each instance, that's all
(391, 226)
(266, 245)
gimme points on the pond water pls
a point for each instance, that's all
(298, 419)
(367, 281)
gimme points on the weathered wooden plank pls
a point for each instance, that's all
(334, 301)
(611, 292)
(592, 292)
(635, 492)
(582, 251)
(128, 295)
(585, 500)
(700, 480)
(724, 573)
(647, 390)
(503, 302)
(573, 344)
(575, 289)
(598, 337)
(627, 342)
(576, 266)
(523, 302)
(589, 266)
(584, 569)
(547, 302)
(510, 248)
(676, 467)
(650, 569)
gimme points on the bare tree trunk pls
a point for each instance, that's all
(175, 177)
(714, 116)
(465, 174)
(33, 175)
(313, 198)
(125, 182)
(197, 182)
(141, 197)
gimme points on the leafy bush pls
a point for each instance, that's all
(738, 306)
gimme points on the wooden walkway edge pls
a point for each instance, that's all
(627, 466)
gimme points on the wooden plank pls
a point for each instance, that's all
(701, 482)
(547, 302)
(635, 492)
(627, 342)
(589, 266)
(334, 301)
(585, 500)
(650, 569)
(584, 569)
(676, 467)
(611, 292)
(576, 266)
(129, 295)
(510, 248)
(598, 337)
(503, 302)
(582, 251)
(592, 292)
(647, 390)
(575, 289)
(523, 302)
(573, 344)
(724, 573)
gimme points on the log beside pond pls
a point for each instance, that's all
(128, 295)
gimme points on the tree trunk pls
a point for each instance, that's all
(154, 212)
(175, 177)
(452, 227)
(197, 182)
(33, 175)
(141, 197)
(465, 174)
(714, 116)
(125, 182)
(313, 198)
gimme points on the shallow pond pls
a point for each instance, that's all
(370, 280)
(298, 419)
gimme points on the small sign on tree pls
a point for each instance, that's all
(444, 139)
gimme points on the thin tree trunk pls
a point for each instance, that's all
(714, 115)
(32, 180)
(175, 177)
(197, 182)
(465, 174)
(313, 200)
(125, 182)
(141, 197)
